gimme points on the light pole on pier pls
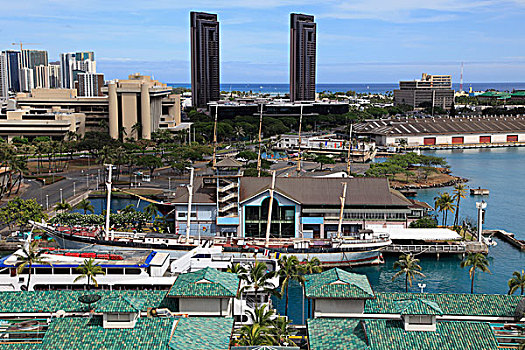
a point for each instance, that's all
(481, 206)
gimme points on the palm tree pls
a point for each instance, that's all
(444, 203)
(63, 206)
(89, 269)
(460, 191)
(282, 331)
(151, 211)
(289, 270)
(259, 279)
(262, 316)
(409, 266)
(236, 268)
(255, 334)
(517, 281)
(475, 261)
(30, 256)
(311, 266)
(86, 206)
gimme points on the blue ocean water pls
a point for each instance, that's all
(360, 88)
(502, 171)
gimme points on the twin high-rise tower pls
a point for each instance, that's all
(205, 81)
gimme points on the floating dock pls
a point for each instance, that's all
(507, 237)
(479, 192)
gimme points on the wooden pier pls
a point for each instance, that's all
(507, 237)
(461, 248)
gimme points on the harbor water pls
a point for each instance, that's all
(502, 171)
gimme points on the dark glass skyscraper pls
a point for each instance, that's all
(302, 57)
(13, 69)
(205, 82)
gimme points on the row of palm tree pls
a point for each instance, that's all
(446, 202)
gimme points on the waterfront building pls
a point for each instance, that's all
(205, 67)
(445, 131)
(303, 42)
(139, 320)
(347, 314)
(90, 84)
(296, 213)
(206, 292)
(13, 69)
(435, 90)
(73, 63)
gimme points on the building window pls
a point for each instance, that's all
(283, 220)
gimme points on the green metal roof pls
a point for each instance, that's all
(67, 300)
(202, 333)
(417, 307)
(336, 333)
(87, 333)
(207, 282)
(120, 304)
(449, 335)
(450, 304)
(497, 94)
(338, 284)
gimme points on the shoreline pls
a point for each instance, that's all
(418, 186)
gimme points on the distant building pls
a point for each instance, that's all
(31, 123)
(33, 58)
(205, 79)
(73, 63)
(444, 130)
(27, 79)
(54, 75)
(42, 77)
(4, 80)
(139, 101)
(302, 57)
(14, 59)
(435, 90)
(90, 84)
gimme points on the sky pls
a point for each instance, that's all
(358, 41)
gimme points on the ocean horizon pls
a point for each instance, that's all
(283, 88)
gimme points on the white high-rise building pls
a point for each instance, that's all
(54, 76)
(90, 84)
(72, 63)
(4, 83)
(42, 76)
(27, 80)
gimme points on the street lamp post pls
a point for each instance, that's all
(47, 202)
(74, 188)
(169, 183)
(61, 196)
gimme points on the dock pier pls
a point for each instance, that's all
(507, 237)
(462, 248)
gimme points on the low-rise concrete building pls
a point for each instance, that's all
(31, 123)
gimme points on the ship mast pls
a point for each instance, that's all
(260, 143)
(214, 161)
(300, 140)
(343, 200)
(349, 160)
(108, 201)
(190, 198)
(270, 207)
